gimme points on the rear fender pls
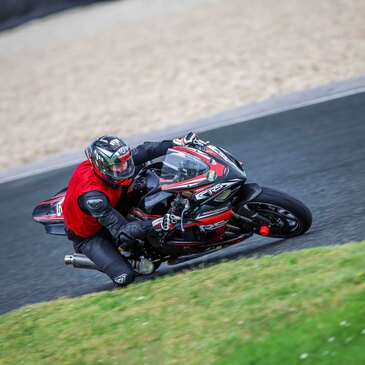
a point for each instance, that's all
(57, 229)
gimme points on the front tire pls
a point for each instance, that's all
(289, 217)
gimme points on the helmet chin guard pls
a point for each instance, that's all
(111, 159)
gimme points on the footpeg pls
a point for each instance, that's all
(142, 266)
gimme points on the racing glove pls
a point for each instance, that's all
(133, 231)
(191, 139)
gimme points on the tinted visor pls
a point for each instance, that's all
(121, 170)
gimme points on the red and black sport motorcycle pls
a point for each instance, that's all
(204, 188)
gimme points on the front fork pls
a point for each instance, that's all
(258, 223)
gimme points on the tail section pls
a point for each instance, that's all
(50, 214)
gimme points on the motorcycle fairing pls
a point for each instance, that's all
(215, 220)
(185, 170)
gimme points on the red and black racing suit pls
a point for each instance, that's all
(93, 223)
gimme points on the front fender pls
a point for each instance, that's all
(250, 191)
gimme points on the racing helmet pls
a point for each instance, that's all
(111, 160)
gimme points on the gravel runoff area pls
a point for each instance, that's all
(133, 66)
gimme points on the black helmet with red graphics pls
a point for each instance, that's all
(111, 159)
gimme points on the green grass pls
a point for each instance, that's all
(304, 307)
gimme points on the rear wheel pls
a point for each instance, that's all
(288, 216)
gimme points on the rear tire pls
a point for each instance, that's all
(289, 217)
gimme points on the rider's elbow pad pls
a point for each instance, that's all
(95, 203)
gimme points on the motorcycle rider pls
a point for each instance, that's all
(96, 187)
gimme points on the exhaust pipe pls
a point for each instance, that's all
(80, 261)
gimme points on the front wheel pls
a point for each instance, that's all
(289, 217)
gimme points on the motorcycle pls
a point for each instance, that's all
(204, 190)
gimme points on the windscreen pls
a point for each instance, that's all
(179, 166)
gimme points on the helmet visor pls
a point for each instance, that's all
(120, 170)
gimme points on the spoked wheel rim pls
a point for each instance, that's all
(283, 222)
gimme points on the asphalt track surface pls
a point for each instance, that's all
(315, 153)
